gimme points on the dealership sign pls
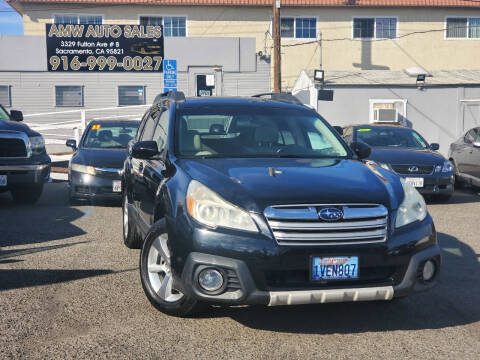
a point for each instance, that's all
(106, 48)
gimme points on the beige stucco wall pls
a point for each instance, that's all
(338, 51)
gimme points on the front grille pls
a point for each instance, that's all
(109, 172)
(12, 147)
(301, 225)
(410, 169)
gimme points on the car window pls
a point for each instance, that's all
(390, 137)
(470, 136)
(476, 135)
(149, 128)
(109, 136)
(4, 114)
(142, 125)
(161, 129)
(254, 132)
(347, 135)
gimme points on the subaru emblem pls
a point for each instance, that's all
(330, 214)
(413, 169)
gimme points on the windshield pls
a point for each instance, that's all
(391, 137)
(110, 136)
(4, 114)
(254, 132)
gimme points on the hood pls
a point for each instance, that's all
(107, 158)
(16, 126)
(248, 183)
(406, 156)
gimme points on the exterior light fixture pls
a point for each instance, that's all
(319, 75)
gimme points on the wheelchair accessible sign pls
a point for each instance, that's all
(169, 75)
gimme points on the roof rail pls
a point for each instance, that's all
(169, 96)
(283, 97)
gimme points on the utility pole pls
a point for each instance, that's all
(277, 62)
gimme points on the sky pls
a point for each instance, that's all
(10, 21)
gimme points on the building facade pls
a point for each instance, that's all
(328, 34)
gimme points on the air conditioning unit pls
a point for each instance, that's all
(385, 115)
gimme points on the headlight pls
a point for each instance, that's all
(37, 142)
(412, 208)
(210, 209)
(83, 169)
(447, 166)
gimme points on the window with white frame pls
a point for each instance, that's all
(131, 95)
(71, 96)
(173, 26)
(463, 28)
(298, 27)
(77, 19)
(375, 28)
(5, 96)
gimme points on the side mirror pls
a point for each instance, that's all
(144, 150)
(434, 146)
(362, 150)
(16, 115)
(339, 130)
(71, 143)
(476, 144)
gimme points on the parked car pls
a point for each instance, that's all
(465, 155)
(24, 163)
(95, 170)
(405, 152)
(275, 209)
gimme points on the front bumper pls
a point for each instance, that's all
(27, 172)
(258, 271)
(88, 186)
(435, 184)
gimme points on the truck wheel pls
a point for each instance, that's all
(156, 275)
(130, 236)
(27, 194)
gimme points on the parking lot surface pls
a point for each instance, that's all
(69, 288)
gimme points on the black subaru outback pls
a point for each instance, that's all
(260, 201)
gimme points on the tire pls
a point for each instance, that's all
(156, 275)
(131, 238)
(459, 183)
(28, 194)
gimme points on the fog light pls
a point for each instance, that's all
(210, 279)
(428, 270)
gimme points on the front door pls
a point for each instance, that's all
(205, 81)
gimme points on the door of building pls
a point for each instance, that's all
(205, 81)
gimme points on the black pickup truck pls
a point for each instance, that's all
(24, 163)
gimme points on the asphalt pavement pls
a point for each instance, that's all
(69, 288)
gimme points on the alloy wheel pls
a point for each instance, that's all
(159, 270)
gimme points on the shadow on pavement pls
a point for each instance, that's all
(453, 302)
(22, 278)
(7, 254)
(49, 219)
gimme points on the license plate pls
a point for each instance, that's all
(3, 180)
(335, 268)
(117, 186)
(415, 181)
